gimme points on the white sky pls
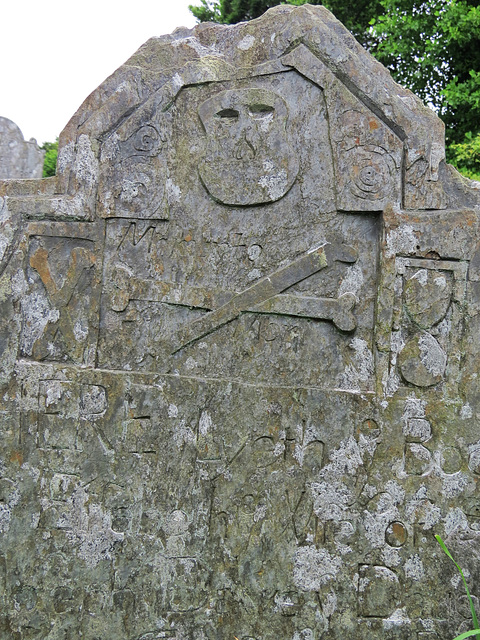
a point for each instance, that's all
(53, 54)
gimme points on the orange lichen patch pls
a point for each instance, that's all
(159, 268)
(188, 238)
(373, 124)
(366, 426)
(399, 532)
(17, 456)
(39, 262)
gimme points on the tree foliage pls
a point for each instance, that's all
(50, 161)
(466, 155)
(230, 11)
(432, 47)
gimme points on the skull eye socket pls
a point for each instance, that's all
(260, 110)
(228, 116)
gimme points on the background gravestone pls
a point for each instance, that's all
(18, 158)
(240, 353)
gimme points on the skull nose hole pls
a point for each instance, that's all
(244, 149)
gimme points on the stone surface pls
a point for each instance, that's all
(18, 158)
(240, 357)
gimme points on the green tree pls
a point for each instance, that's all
(432, 47)
(50, 161)
(230, 11)
(466, 155)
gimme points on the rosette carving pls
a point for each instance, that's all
(371, 172)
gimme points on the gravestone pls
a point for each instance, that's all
(240, 353)
(18, 158)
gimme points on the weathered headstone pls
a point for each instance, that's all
(240, 353)
(18, 158)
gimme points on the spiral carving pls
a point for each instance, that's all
(147, 140)
(371, 172)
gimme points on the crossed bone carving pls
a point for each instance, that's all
(265, 296)
(338, 310)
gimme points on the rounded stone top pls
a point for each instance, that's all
(8, 127)
(19, 158)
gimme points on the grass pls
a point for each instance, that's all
(476, 630)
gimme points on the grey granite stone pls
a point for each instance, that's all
(240, 356)
(18, 158)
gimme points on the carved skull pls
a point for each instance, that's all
(247, 156)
